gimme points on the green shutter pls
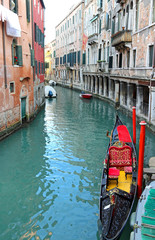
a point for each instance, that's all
(19, 55)
(84, 58)
(28, 10)
(12, 49)
(32, 58)
(107, 21)
(36, 67)
(100, 26)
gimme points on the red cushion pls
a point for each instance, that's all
(114, 172)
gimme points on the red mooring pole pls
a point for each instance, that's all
(134, 124)
(141, 158)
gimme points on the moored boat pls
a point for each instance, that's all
(50, 92)
(86, 95)
(143, 220)
(118, 183)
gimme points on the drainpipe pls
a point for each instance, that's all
(4, 55)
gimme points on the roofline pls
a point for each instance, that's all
(82, 1)
(42, 3)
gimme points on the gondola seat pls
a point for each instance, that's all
(120, 157)
(113, 174)
(127, 170)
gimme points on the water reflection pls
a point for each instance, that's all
(51, 169)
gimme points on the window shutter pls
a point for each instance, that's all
(36, 65)
(107, 21)
(12, 49)
(16, 6)
(28, 10)
(19, 55)
(84, 58)
(113, 27)
(32, 58)
(78, 57)
(100, 26)
(99, 54)
(100, 3)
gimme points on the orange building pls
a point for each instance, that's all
(16, 65)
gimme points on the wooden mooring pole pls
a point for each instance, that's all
(141, 158)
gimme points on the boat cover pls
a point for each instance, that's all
(123, 134)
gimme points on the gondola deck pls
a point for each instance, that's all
(118, 183)
(123, 183)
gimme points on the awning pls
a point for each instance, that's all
(13, 28)
(94, 18)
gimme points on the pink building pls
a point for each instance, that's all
(38, 41)
(16, 65)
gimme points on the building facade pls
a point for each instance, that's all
(119, 54)
(38, 41)
(50, 54)
(17, 65)
(69, 46)
(16, 71)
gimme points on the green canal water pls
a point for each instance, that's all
(50, 170)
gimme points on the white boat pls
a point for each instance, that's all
(50, 92)
(143, 220)
(52, 83)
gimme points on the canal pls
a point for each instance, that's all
(50, 170)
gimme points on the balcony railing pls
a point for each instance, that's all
(121, 38)
(90, 68)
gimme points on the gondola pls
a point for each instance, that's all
(118, 183)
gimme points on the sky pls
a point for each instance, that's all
(55, 12)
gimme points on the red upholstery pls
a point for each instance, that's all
(128, 169)
(120, 157)
(113, 172)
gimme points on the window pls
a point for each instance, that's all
(12, 87)
(110, 61)
(117, 61)
(28, 10)
(151, 55)
(128, 59)
(134, 58)
(16, 54)
(88, 56)
(107, 21)
(13, 6)
(120, 60)
(99, 54)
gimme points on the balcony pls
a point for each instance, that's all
(93, 39)
(121, 39)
